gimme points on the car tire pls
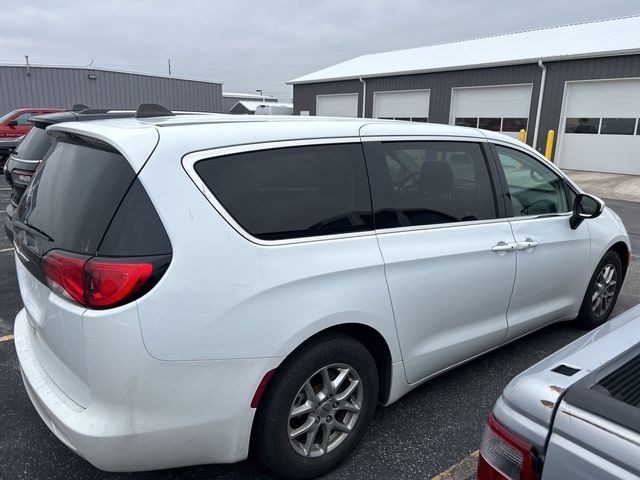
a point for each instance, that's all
(602, 292)
(336, 412)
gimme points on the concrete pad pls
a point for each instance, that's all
(608, 185)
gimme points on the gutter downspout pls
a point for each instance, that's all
(540, 97)
(364, 95)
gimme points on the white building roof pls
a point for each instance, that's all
(615, 36)
(251, 106)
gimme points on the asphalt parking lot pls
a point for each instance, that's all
(420, 436)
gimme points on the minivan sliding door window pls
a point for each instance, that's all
(430, 182)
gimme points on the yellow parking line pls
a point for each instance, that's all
(6, 338)
(464, 469)
(6, 250)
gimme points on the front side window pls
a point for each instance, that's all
(293, 192)
(426, 183)
(533, 188)
(23, 117)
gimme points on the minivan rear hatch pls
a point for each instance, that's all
(83, 204)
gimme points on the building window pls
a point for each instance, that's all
(618, 126)
(514, 124)
(603, 126)
(493, 124)
(582, 125)
(406, 119)
(467, 122)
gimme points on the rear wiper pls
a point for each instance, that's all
(31, 229)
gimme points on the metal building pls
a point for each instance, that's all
(59, 86)
(582, 81)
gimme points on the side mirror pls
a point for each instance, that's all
(12, 123)
(585, 206)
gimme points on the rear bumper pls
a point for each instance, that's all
(154, 414)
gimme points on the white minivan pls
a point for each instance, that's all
(194, 286)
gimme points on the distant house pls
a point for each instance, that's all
(229, 100)
(249, 107)
(582, 80)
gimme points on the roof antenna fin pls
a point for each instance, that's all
(147, 110)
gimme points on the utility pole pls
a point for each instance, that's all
(169, 63)
(28, 69)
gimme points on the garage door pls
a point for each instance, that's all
(599, 127)
(402, 105)
(343, 105)
(499, 108)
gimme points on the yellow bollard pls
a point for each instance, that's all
(523, 135)
(549, 148)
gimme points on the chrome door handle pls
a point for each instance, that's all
(527, 244)
(504, 247)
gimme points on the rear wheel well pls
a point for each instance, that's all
(372, 340)
(369, 337)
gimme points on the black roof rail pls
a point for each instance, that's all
(95, 110)
(78, 107)
(146, 110)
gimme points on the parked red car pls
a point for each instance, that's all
(15, 124)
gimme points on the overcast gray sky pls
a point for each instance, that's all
(252, 45)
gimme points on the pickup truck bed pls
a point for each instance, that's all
(577, 411)
(596, 427)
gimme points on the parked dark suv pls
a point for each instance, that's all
(22, 163)
(7, 146)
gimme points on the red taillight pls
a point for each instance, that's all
(111, 282)
(65, 274)
(95, 282)
(504, 456)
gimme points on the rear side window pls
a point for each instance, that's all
(74, 195)
(293, 192)
(35, 145)
(426, 183)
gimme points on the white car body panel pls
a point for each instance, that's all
(546, 287)
(424, 268)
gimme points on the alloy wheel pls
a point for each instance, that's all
(325, 410)
(604, 290)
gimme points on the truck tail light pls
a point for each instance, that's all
(504, 456)
(96, 282)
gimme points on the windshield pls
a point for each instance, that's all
(6, 116)
(34, 146)
(73, 196)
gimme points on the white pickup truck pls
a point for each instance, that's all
(574, 415)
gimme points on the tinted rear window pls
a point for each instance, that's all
(74, 195)
(293, 192)
(35, 145)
